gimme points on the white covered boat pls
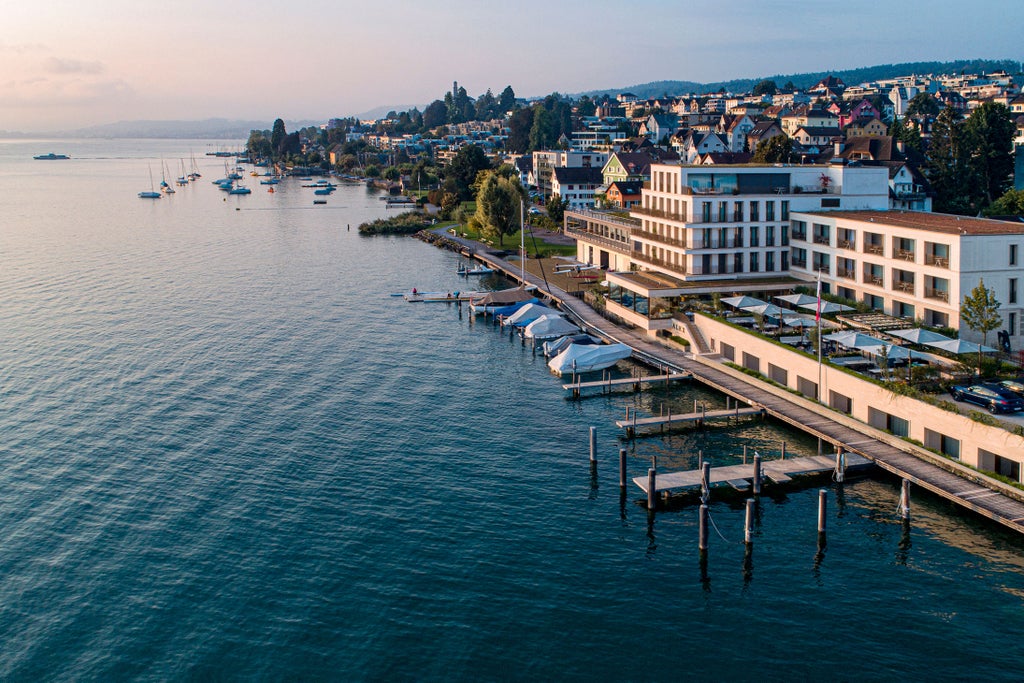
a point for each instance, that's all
(527, 314)
(549, 327)
(578, 358)
(556, 346)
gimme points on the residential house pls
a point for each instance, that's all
(657, 127)
(578, 185)
(624, 194)
(735, 129)
(761, 132)
(865, 127)
(815, 136)
(813, 118)
(627, 166)
(694, 144)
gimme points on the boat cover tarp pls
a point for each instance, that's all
(556, 346)
(527, 314)
(549, 327)
(503, 297)
(508, 310)
(587, 358)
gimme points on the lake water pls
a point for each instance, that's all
(227, 453)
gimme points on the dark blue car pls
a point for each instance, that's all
(991, 396)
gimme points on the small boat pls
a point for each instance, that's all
(315, 201)
(240, 190)
(51, 157)
(551, 326)
(475, 270)
(151, 194)
(323, 191)
(577, 358)
(502, 302)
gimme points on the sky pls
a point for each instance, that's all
(66, 64)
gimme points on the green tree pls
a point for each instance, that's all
(585, 106)
(519, 126)
(542, 133)
(980, 312)
(946, 165)
(258, 146)
(765, 87)
(923, 104)
(556, 207)
(497, 206)
(774, 150)
(277, 135)
(507, 100)
(988, 133)
(462, 170)
(1010, 204)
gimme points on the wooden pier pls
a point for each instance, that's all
(632, 423)
(606, 385)
(740, 477)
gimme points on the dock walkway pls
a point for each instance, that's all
(778, 471)
(633, 423)
(967, 489)
(634, 382)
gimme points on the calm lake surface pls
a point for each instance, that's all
(227, 453)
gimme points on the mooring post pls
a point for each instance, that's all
(593, 444)
(700, 459)
(652, 492)
(622, 469)
(748, 522)
(840, 465)
(705, 481)
(694, 405)
(822, 505)
(727, 403)
(702, 414)
(744, 454)
(757, 473)
(783, 455)
(703, 541)
(905, 499)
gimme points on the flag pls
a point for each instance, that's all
(817, 315)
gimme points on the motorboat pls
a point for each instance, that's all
(527, 314)
(549, 326)
(579, 358)
(475, 270)
(499, 302)
(51, 157)
(556, 346)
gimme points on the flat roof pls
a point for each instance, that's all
(654, 283)
(924, 220)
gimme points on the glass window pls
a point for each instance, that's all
(769, 211)
(785, 210)
(755, 211)
(755, 238)
(1013, 290)
(1013, 254)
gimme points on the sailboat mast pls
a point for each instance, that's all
(522, 243)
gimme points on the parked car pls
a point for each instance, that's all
(1015, 387)
(989, 395)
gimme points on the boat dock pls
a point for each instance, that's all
(636, 383)
(945, 478)
(740, 477)
(631, 423)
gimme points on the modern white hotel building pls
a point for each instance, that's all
(761, 228)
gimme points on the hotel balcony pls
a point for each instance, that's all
(876, 249)
(875, 280)
(586, 235)
(846, 244)
(848, 273)
(903, 286)
(904, 255)
(798, 262)
(937, 261)
(938, 294)
(658, 213)
(674, 268)
(821, 239)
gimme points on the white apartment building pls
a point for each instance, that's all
(912, 264)
(700, 229)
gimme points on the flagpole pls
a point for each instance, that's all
(821, 342)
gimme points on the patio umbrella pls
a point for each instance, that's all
(894, 352)
(854, 340)
(960, 346)
(797, 299)
(919, 336)
(799, 322)
(766, 309)
(742, 301)
(827, 307)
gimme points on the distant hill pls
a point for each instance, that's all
(206, 129)
(806, 80)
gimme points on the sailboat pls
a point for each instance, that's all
(164, 186)
(182, 179)
(195, 171)
(152, 194)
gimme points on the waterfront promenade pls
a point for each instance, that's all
(947, 479)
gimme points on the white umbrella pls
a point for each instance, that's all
(827, 307)
(893, 352)
(959, 346)
(799, 322)
(766, 309)
(918, 335)
(742, 301)
(854, 340)
(797, 299)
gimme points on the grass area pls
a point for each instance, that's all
(533, 245)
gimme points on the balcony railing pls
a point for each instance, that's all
(821, 239)
(822, 268)
(904, 255)
(616, 245)
(874, 249)
(846, 244)
(848, 273)
(903, 286)
(938, 261)
(798, 235)
(661, 239)
(658, 213)
(940, 294)
(640, 257)
(798, 262)
(873, 280)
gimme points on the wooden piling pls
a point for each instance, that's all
(703, 524)
(840, 465)
(748, 523)
(652, 492)
(757, 473)
(905, 500)
(705, 481)
(783, 452)
(744, 454)
(622, 469)
(822, 506)
(593, 444)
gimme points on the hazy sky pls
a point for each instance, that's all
(70, 63)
